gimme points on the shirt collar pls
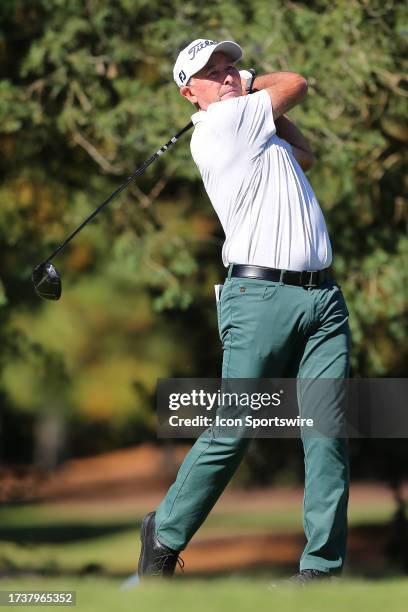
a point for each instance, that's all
(198, 116)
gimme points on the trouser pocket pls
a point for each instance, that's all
(218, 291)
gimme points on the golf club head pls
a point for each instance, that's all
(47, 281)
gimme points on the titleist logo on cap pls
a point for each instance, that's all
(201, 45)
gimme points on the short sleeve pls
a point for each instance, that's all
(246, 122)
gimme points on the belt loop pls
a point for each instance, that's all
(230, 271)
(282, 274)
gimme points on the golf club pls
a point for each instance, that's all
(45, 277)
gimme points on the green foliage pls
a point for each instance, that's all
(87, 95)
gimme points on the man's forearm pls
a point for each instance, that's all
(287, 89)
(287, 130)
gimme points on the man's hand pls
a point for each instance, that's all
(243, 83)
(247, 78)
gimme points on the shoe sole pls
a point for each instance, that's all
(145, 525)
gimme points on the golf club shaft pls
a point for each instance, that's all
(130, 178)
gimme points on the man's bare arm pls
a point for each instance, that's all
(286, 89)
(286, 129)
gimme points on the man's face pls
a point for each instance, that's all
(219, 80)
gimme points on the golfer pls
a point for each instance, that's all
(280, 313)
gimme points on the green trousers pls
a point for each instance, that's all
(272, 330)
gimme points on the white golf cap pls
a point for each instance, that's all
(195, 56)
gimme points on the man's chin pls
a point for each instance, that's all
(230, 94)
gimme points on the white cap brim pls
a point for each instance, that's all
(230, 48)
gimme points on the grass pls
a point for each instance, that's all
(237, 594)
(43, 515)
(62, 539)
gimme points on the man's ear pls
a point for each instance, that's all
(185, 91)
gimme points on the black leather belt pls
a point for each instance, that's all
(306, 278)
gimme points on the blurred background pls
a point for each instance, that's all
(86, 95)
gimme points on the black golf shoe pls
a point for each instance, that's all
(306, 576)
(155, 559)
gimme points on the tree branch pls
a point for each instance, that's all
(96, 155)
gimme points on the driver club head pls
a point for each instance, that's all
(47, 281)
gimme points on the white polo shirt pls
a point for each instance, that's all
(267, 208)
